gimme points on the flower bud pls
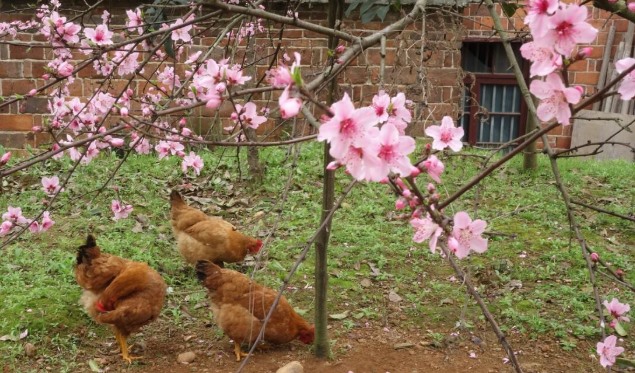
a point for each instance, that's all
(415, 172)
(417, 213)
(32, 92)
(333, 165)
(400, 203)
(414, 202)
(36, 129)
(620, 273)
(46, 76)
(435, 197)
(431, 188)
(182, 122)
(123, 111)
(585, 52)
(594, 257)
(340, 49)
(400, 183)
(406, 193)
(5, 158)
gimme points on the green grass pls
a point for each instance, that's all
(367, 243)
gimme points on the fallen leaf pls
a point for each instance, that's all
(24, 333)
(394, 297)
(366, 283)
(138, 228)
(374, 271)
(94, 366)
(339, 316)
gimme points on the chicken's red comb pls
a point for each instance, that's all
(256, 247)
(100, 306)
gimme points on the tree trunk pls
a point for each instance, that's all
(322, 347)
(256, 171)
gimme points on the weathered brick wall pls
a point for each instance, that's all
(427, 70)
(479, 25)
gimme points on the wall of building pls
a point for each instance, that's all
(426, 67)
(478, 25)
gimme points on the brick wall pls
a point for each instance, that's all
(479, 25)
(428, 73)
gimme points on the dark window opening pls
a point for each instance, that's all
(493, 109)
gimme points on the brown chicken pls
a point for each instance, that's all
(240, 306)
(119, 292)
(202, 237)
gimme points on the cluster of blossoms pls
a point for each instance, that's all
(608, 350)
(557, 28)
(13, 219)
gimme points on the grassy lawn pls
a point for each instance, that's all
(533, 276)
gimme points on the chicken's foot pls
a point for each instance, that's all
(239, 352)
(123, 345)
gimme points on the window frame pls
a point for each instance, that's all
(473, 81)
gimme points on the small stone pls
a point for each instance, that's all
(292, 367)
(29, 349)
(366, 283)
(186, 357)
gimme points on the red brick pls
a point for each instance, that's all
(16, 122)
(17, 52)
(12, 140)
(563, 142)
(17, 86)
(12, 69)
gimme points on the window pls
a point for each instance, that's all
(493, 109)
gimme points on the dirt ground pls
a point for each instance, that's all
(370, 349)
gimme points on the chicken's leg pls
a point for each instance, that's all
(123, 345)
(238, 351)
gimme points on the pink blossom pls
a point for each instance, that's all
(103, 102)
(426, 229)
(135, 20)
(538, 15)
(127, 60)
(434, 167)
(608, 352)
(289, 106)
(446, 135)
(544, 58)
(234, 76)
(65, 69)
(213, 99)
(47, 222)
(182, 33)
(248, 115)
(5, 228)
(282, 76)
(362, 161)
(399, 111)
(5, 158)
(555, 98)
(99, 35)
(163, 148)
(116, 141)
(567, 28)
(14, 215)
(627, 86)
(381, 102)
(394, 150)
(467, 235)
(193, 161)
(120, 210)
(348, 126)
(401, 203)
(617, 309)
(51, 185)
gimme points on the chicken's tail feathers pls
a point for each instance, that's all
(175, 197)
(204, 268)
(88, 251)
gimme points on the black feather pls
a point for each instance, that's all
(201, 269)
(82, 252)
